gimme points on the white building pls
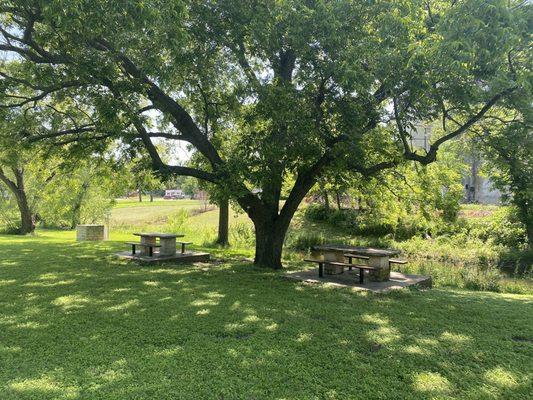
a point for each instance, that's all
(174, 193)
(477, 188)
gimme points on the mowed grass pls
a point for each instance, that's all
(76, 323)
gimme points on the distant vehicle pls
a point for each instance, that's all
(173, 194)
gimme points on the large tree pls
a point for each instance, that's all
(25, 171)
(268, 91)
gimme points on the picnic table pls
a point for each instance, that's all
(378, 259)
(167, 242)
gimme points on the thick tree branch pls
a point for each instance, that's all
(8, 182)
(159, 165)
(182, 120)
(66, 132)
(432, 152)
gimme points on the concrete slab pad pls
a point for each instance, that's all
(187, 257)
(350, 279)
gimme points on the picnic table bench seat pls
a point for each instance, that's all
(183, 244)
(361, 267)
(396, 261)
(351, 256)
(149, 246)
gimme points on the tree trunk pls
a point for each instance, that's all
(151, 197)
(140, 195)
(223, 223)
(526, 216)
(338, 196)
(326, 199)
(27, 219)
(529, 230)
(76, 207)
(269, 238)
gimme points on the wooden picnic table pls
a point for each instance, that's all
(167, 242)
(377, 258)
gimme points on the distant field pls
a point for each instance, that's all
(158, 201)
(129, 213)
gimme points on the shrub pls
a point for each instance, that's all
(304, 241)
(241, 233)
(411, 225)
(481, 278)
(317, 212)
(502, 227)
(176, 221)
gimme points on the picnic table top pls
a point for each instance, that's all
(365, 251)
(159, 235)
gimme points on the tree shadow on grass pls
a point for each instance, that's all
(77, 323)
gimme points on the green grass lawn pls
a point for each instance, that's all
(76, 323)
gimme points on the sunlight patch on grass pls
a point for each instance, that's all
(10, 349)
(432, 382)
(152, 283)
(170, 351)
(110, 374)
(375, 319)
(70, 302)
(214, 295)
(50, 284)
(121, 290)
(500, 377)
(235, 327)
(124, 306)
(455, 338)
(383, 333)
(31, 325)
(304, 337)
(44, 385)
(204, 302)
(412, 349)
(427, 342)
(272, 327)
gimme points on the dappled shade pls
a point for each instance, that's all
(81, 324)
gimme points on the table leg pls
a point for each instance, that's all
(381, 272)
(168, 246)
(145, 251)
(320, 270)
